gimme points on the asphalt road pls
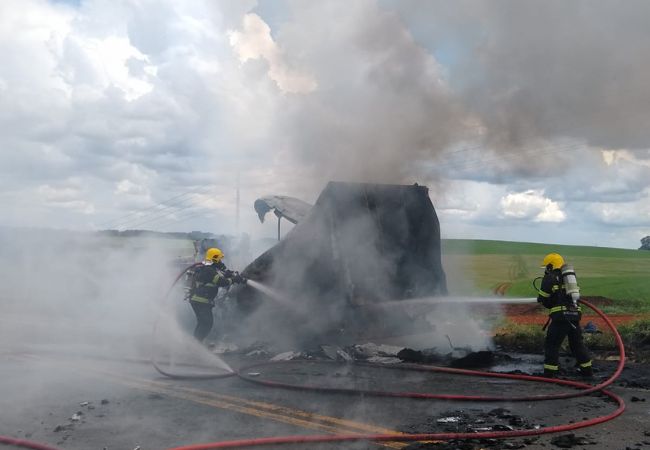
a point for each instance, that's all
(131, 405)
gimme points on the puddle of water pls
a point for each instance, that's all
(528, 363)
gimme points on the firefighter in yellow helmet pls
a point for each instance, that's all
(206, 281)
(559, 293)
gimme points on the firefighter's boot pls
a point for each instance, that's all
(586, 372)
(550, 373)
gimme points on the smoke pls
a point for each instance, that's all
(545, 69)
(378, 103)
(396, 85)
(86, 295)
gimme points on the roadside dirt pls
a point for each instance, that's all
(536, 314)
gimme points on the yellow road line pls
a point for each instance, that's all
(277, 413)
(270, 407)
(263, 410)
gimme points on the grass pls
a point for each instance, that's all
(521, 338)
(480, 247)
(530, 339)
(475, 267)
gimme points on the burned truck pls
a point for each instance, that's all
(359, 245)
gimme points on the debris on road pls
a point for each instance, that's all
(220, 348)
(452, 419)
(480, 359)
(459, 358)
(570, 441)
(418, 356)
(259, 353)
(369, 350)
(335, 353)
(286, 356)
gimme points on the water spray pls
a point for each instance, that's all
(453, 300)
(269, 292)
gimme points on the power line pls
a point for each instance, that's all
(121, 219)
(163, 215)
(170, 208)
(169, 222)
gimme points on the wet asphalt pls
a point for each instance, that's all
(84, 403)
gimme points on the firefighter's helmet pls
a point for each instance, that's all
(213, 255)
(554, 259)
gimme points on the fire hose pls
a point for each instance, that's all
(6, 440)
(585, 389)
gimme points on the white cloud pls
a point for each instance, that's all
(532, 205)
(623, 214)
(470, 201)
(67, 197)
(255, 41)
(131, 188)
(106, 62)
(613, 157)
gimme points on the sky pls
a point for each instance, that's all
(528, 121)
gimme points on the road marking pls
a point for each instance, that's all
(263, 410)
(278, 413)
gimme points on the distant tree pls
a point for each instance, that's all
(645, 243)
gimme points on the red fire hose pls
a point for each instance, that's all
(6, 440)
(585, 390)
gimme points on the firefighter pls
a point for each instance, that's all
(205, 284)
(559, 293)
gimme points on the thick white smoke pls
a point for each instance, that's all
(87, 295)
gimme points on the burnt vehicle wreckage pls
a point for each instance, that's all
(359, 245)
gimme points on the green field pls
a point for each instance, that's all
(475, 267)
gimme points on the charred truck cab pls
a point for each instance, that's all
(359, 244)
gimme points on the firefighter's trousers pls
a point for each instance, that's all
(557, 331)
(204, 319)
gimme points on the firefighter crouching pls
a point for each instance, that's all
(559, 293)
(205, 283)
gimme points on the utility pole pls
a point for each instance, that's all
(237, 207)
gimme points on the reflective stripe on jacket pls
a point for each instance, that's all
(206, 283)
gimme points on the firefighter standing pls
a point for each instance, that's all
(206, 281)
(560, 294)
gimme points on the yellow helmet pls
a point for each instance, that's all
(554, 259)
(213, 255)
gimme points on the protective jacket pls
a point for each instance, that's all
(552, 294)
(206, 282)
